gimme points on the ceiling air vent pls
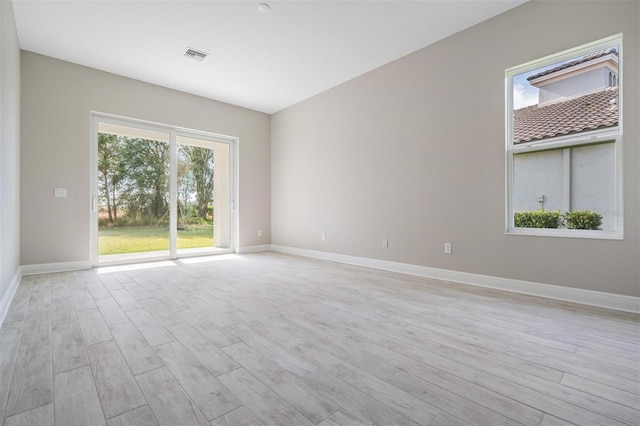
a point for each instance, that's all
(195, 55)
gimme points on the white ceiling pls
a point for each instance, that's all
(265, 62)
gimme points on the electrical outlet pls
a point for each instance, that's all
(385, 243)
(447, 248)
(323, 236)
(259, 232)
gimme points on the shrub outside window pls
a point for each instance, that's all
(564, 143)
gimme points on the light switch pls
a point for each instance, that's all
(60, 192)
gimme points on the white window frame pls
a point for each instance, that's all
(587, 138)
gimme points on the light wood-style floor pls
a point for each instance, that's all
(281, 340)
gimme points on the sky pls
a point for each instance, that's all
(524, 94)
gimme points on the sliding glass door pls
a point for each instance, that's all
(159, 192)
(132, 192)
(203, 195)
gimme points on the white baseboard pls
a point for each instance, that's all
(47, 268)
(254, 249)
(8, 296)
(575, 295)
(585, 297)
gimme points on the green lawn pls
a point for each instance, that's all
(139, 239)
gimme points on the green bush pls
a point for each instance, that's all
(193, 220)
(582, 219)
(103, 222)
(125, 221)
(538, 219)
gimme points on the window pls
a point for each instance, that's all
(564, 143)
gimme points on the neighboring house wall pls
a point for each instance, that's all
(593, 185)
(580, 178)
(9, 153)
(539, 174)
(397, 154)
(579, 84)
(57, 98)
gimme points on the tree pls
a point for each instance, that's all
(109, 172)
(134, 177)
(147, 170)
(200, 163)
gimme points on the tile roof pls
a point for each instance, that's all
(595, 55)
(589, 112)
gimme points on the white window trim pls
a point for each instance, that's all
(588, 138)
(594, 137)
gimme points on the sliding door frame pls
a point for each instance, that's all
(174, 132)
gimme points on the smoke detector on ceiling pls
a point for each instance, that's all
(264, 8)
(195, 55)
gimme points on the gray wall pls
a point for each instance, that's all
(9, 148)
(57, 98)
(414, 152)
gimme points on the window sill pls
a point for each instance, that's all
(567, 233)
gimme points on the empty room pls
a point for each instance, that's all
(319, 212)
